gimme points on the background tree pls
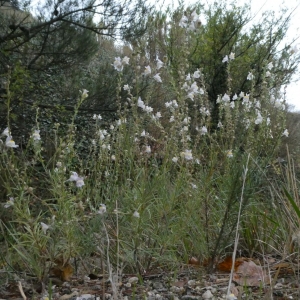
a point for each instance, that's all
(224, 30)
(42, 51)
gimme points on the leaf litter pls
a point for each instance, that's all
(251, 280)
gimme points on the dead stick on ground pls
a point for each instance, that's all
(21, 290)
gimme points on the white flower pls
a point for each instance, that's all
(175, 159)
(220, 125)
(36, 135)
(226, 98)
(10, 142)
(204, 111)
(159, 64)
(234, 97)
(229, 153)
(58, 164)
(9, 203)
(294, 49)
(80, 182)
(143, 133)
(183, 22)
(172, 119)
(157, 77)
(45, 227)
(148, 149)
(268, 120)
(201, 91)
(259, 118)
(140, 103)
(203, 130)
(125, 60)
(6, 132)
(277, 103)
(250, 76)
(232, 56)
(194, 186)
(191, 96)
(118, 64)
(186, 120)
(126, 87)
(245, 99)
(225, 59)
(197, 161)
(174, 104)
(285, 133)
(84, 93)
(268, 74)
(102, 209)
(270, 66)
(232, 105)
(157, 115)
(113, 157)
(187, 154)
(197, 74)
(187, 78)
(168, 104)
(148, 109)
(147, 70)
(136, 214)
(241, 94)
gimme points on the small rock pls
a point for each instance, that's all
(133, 280)
(158, 285)
(85, 297)
(190, 297)
(191, 282)
(207, 295)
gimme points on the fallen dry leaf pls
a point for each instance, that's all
(226, 264)
(250, 274)
(194, 261)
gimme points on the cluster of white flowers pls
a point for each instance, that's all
(171, 104)
(192, 90)
(187, 154)
(259, 119)
(226, 58)
(141, 104)
(204, 111)
(148, 71)
(120, 63)
(10, 143)
(95, 117)
(78, 180)
(191, 23)
(103, 133)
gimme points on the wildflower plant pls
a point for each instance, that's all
(160, 182)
